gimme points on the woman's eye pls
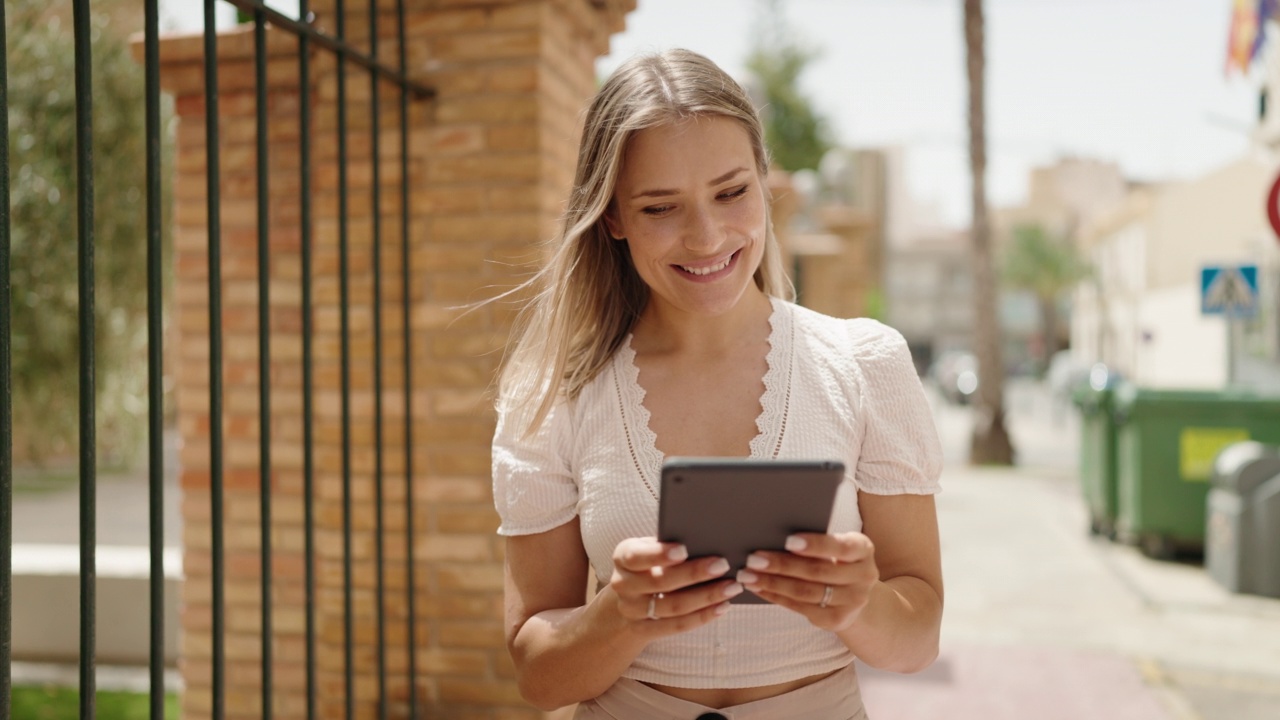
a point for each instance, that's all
(656, 210)
(734, 193)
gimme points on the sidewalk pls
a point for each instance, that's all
(1044, 622)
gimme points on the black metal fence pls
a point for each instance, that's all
(378, 72)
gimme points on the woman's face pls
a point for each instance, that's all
(690, 205)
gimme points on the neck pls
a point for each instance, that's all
(666, 330)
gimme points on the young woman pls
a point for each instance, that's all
(661, 326)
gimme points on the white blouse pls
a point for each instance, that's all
(835, 389)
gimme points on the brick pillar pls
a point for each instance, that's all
(491, 159)
(837, 283)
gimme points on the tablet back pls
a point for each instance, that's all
(731, 507)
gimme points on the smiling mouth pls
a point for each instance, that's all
(709, 269)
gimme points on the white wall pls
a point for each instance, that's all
(1144, 318)
(1212, 220)
(1105, 319)
(1178, 347)
(46, 604)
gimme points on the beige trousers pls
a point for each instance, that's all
(833, 698)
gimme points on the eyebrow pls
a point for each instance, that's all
(664, 192)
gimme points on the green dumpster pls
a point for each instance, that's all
(1097, 458)
(1166, 444)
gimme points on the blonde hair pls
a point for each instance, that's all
(587, 296)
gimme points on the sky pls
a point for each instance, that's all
(1137, 82)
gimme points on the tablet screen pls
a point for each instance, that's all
(732, 507)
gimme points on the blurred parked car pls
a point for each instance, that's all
(955, 373)
(1102, 377)
(1065, 374)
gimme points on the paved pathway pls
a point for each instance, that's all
(992, 683)
(1045, 622)
(1042, 622)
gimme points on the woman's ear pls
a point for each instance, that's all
(611, 223)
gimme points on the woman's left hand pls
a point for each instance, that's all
(826, 578)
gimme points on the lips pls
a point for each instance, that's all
(702, 271)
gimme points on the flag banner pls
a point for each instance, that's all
(1247, 32)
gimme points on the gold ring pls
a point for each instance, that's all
(826, 596)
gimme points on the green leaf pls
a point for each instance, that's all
(797, 135)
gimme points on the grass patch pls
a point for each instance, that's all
(58, 703)
(38, 481)
(35, 481)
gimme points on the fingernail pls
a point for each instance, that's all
(756, 562)
(746, 577)
(679, 553)
(732, 590)
(795, 543)
(722, 608)
(718, 568)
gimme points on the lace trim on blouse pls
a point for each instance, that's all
(775, 402)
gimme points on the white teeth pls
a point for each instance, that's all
(709, 269)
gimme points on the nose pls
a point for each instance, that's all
(702, 230)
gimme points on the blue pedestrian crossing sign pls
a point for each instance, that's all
(1229, 290)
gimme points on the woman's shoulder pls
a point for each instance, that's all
(856, 338)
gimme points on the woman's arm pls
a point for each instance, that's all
(567, 649)
(898, 629)
(885, 601)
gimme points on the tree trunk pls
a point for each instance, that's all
(990, 444)
(1049, 321)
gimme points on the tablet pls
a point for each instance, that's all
(731, 507)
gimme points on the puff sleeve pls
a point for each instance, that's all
(534, 489)
(900, 451)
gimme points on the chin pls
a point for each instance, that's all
(718, 306)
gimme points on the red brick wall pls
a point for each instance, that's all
(491, 158)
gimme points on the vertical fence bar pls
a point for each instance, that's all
(264, 348)
(376, 117)
(155, 355)
(88, 438)
(344, 311)
(83, 70)
(6, 390)
(408, 361)
(308, 414)
(214, 179)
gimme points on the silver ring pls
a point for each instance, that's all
(652, 614)
(826, 596)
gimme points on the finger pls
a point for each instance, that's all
(801, 591)
(658, 579)
(695, 600)
(816, 570)
(808, 610)
(845, 547)
(685, 623)
(641, 554)
(835, 617)
(805, 593)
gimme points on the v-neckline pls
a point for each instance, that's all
(643, 441)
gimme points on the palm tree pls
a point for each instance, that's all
(1047, 267)
(797, 134)
(990, 444)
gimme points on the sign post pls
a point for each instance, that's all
(1273, 206)
(1232, 292)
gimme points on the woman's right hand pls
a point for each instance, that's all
(652, 576)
